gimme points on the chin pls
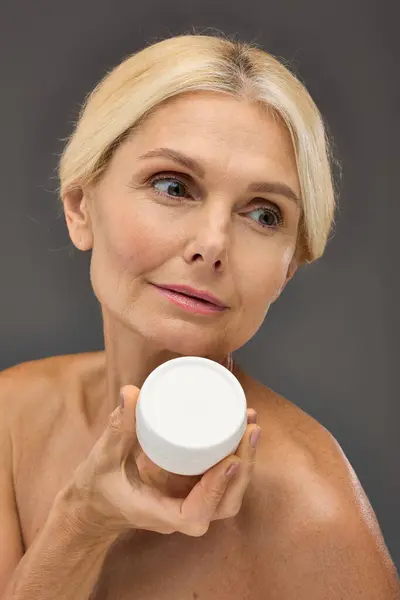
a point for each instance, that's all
(188, 339)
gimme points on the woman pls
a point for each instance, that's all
(203, 162)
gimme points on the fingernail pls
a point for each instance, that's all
(232, 470)
(121, 400)
(255, 436)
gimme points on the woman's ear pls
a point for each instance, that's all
(77, 217)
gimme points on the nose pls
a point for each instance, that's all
(211, 240)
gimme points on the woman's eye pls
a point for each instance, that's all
(169, 186)
(273, 216)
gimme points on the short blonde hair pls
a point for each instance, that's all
(140, 83)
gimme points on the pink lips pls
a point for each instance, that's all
(190, 304)
(189, 291)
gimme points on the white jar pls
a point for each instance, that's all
(191, 413)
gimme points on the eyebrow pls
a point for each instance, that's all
(264, 187)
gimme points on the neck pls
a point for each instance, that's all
(129, 360)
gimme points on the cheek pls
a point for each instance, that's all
(124, 252)
(130, 245)
(265, 279)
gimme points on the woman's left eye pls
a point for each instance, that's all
(273, 212)
(171, 186)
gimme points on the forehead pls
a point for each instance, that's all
(218, 129)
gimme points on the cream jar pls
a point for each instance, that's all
(191, 413)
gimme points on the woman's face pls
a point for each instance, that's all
(193, 221)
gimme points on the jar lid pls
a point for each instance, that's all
(191, 413)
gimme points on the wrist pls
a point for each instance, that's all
(79, 519)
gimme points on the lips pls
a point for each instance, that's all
(193, 293)
(189, 303)
(192, 297)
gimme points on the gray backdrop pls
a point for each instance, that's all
(331, 343)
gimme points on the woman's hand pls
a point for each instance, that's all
(108, 495)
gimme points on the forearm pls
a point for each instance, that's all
(63, 563)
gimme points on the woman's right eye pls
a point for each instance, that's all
(169, 186)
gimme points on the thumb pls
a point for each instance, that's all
(120, 435)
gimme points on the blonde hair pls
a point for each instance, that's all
(140, 83)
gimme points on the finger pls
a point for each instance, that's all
(200, 505)
(119, 437)
(232, 499)
(251, 416)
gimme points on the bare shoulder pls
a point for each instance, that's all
(45, 371)
(33, 375)
(34, 391)
(322, 527)
(284, 423)
(302, 458)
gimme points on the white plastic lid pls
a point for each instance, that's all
(191, 414)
